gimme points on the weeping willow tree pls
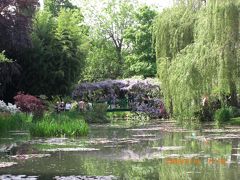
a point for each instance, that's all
(197, 52)
(173, 32)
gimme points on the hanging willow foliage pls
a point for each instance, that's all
(197, 52)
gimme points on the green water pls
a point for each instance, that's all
(158, 150)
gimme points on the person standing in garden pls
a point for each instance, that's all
(81, 105)
(68, 106)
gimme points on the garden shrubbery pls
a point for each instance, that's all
(28, 109)
(8, 108)
(29, 104)
(98, 114)
(222, 115)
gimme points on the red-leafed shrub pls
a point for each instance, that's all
(29, 104)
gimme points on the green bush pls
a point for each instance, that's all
(235, 121)
(234, 111)
(98, 114)
(222, 116)
(119, 114)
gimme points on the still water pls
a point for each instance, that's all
(157, 150)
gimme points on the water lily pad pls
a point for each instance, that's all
(71, 149)
(169, 148)
(7, 164)
(29, 156)
(18, 177)
(147, 129)
(228, 136)
(100, 141)
(114, 146)
(85, 178)
(144, 135)
(7, 148)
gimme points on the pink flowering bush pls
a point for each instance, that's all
(29, 104)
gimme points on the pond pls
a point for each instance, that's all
(157, 150)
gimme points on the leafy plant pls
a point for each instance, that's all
(222, 116)
(98, 114)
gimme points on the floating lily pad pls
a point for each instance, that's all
(85, 178)
(19, 177)
(144, 135)
(29, 156)
(114, 146)
(100, 141)
(7, 164)
(169, 148)
(147, 129)
(70, 149)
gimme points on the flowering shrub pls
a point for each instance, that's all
(29, 104)
(10, 108)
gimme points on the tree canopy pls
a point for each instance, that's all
(197, 53)
(15, 24)
(58, 53)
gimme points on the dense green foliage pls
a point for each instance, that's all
(98, 114)
(235, 121)
(122, 44)
(101, 62)
(222, 116)
(57, 53)
(141, 60)
(200, 58)
(59, 125)
(54, 6)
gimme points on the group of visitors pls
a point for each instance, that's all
(61, 106)
(81, 106)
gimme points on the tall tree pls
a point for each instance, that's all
(101, 62)
(15, 24)
(111, 21)
(55, 62)
(141, 59)
(207, 66)
(173, 32)
(54, 6)
(15, 27)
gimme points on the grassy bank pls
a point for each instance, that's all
(63, 124)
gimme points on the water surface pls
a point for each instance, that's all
(157, 150)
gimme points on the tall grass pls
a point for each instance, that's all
(69, 124)
(66, 123)
(18, 121)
